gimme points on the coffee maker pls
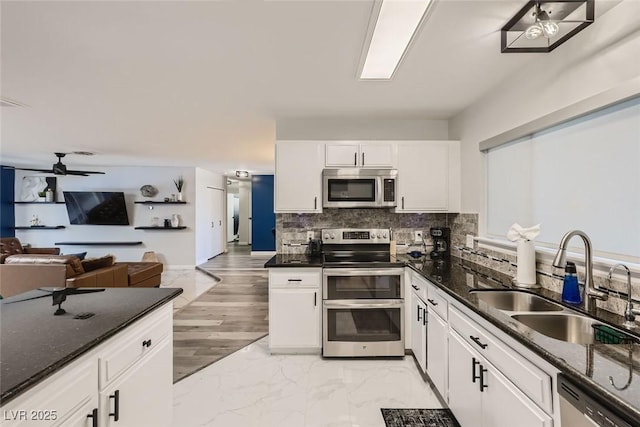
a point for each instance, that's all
(441, 242)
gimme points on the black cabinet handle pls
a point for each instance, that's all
(419, 308)
(294, 280)
(355, 159)
(315, 299)
(146, 343)
(116, 405)
(482, 384)
(433, 303)
(477, 341)
(362, 159)
(402, 202)
(415, 287)
(315, 202)
(94, 417)
(474, 363)
(424, 318)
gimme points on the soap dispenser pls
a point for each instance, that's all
(570, 289)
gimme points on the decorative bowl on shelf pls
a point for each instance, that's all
(148, 190)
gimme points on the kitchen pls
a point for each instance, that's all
(603, 59)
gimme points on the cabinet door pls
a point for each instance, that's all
(437, 352)
(423, 176)
(294, 318)
(143, 395)
(419, 331)
(342, 155)
(83, 416)
(503, 405)
(376, 155)
(298, 177)
(465, 399)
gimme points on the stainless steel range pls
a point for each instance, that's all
(363, 294)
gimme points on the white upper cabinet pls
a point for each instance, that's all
(298, 178)
(351, 154)
(428, 176)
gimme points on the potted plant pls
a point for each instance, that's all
(42, 196)
(179, 183)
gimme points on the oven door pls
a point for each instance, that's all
(362, 283)
(360, 328)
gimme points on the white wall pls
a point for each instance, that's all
(361, 129)
(174, 248)
(601, 57)
(244, 229)
(205, 212)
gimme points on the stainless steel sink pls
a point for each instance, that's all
(516, 301)
(562, 326)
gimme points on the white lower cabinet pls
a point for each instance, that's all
(480, 396)
(419, 331)
(437, 336)
(78, 395)
(121, 402)
(295, 310)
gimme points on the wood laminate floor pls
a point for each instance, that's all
(229, 316)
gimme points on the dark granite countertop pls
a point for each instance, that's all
(293, 260)
(589, 365)
(35, 344)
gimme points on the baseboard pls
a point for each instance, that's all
(179, 267)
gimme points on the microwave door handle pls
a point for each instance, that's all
(379, 191)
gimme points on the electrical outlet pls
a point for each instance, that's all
(417, 236)
(310, 235)
(469, 242)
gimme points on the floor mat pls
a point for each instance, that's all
(419, 418)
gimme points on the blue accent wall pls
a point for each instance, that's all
(263, 219)
(7, 196)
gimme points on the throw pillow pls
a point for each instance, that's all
(79, 255)
(96, 263)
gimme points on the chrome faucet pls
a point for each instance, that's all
(629, 312)
(590, 291)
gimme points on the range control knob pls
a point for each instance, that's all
(333, 236)
(326, 236)
(384, 235)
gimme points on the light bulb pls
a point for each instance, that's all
(549, 28)
(533, 32)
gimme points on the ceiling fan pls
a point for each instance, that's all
(60, 168)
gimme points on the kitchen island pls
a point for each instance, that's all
(104, 340)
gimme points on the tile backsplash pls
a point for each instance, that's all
(291, 229)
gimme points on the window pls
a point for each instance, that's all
(583, 174)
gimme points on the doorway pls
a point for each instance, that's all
(215, 235)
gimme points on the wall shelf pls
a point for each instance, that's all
(38, 203)
(43, 227)
(98, 243)
(159, 202)
(182, 227)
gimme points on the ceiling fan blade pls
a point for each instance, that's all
(75, 172)
(35, 170)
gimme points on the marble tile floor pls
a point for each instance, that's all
(253, 388)
(193, 283)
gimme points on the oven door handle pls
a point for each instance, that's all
(348, 272)
(363, 304)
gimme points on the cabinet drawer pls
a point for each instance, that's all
(295, 277)
(419, 286)
(126, 350)
(437, 302)
(531, 380)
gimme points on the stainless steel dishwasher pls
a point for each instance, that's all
(580, 409)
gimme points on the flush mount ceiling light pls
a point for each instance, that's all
(392, 27)
(242, 174)
(541, 26)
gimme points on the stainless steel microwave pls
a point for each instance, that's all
(359, 188)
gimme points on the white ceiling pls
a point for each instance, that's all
(203, 83)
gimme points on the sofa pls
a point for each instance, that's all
(23, 272)
(12, 246)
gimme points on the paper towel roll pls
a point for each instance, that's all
(526, 253)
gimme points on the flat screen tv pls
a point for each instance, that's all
(96, 207)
